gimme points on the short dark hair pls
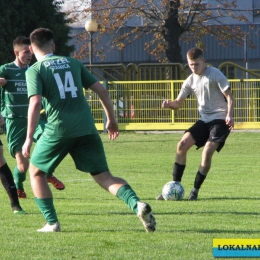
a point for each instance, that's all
(195, 53)
(41, 36)
(21, 40)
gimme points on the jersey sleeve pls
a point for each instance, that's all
(222, 81)
(2, 71)
(185, 90)
(34, 83)
(87, 78)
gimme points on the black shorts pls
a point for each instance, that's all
(1, 144)
(214, 131)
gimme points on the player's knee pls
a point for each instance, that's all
(209, 149)
(22, 167)
(182, 146)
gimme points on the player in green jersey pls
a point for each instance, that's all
(70, 129)
(15, 109)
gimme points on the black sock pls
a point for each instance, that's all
(178, 170)
(200, 177)
(7, 180)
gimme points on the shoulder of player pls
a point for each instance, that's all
(188, 80)
(8, 65)
(215, 72)
(7, 69)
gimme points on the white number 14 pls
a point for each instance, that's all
(68, 86)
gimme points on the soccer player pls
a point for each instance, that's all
(7, 180)
(215, 105)
(15, 108)
(70, 129)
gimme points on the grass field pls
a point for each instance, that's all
(96, 225)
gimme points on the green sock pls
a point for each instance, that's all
(47, 209)
(126, 194)
(19, 178)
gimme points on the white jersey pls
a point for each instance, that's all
(208, 89)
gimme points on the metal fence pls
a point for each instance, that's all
(137, 105)
(163, 71)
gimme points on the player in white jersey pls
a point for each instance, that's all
(215, 105)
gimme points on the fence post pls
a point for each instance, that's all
(105, 84)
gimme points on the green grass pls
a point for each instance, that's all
(96, 225)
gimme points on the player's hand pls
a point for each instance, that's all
(230, 122)
(3, 81)
(2, 120)
(26, 148)
(112, 129)
(166, 104)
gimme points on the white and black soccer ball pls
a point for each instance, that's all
(173, 190)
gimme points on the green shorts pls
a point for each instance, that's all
(86, 151)
(38, 131)
(16, 130)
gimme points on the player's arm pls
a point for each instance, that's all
(112, 126)
(35, 105)
(230, 103)
(175, 104)
(3, 81)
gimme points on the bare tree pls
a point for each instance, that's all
(167, 21)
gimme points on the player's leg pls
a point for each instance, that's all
(46, 156)
(218, 132)
(89, 156)
(204, 168)
(120, 188)
(20, 170)
(16, 134)
(7, 181)
(43, 199)
(186, 142)
(57, 184)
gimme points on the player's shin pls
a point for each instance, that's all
(7, 181)
(178, 171)
(19, 178)
(126, 194)
(47, 209)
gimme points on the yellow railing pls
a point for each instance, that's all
(137, 105)
(235, 71)
(163, 71)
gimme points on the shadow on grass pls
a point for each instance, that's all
(227, 198)
(211, 231)
(206, 199)
(207, 213)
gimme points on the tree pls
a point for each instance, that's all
(169, 21)
(21, 17)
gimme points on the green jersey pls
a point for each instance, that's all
(60, 81)
(14, 99)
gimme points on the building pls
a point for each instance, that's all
(215, 54)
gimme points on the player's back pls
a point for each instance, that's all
(60, 80)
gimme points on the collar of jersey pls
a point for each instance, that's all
(27, 66)
(47, 55)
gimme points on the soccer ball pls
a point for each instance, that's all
(173, 190)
